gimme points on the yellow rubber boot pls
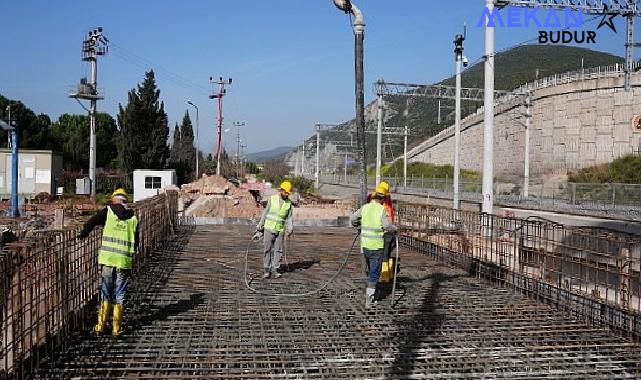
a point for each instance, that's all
(117, 321)
(103, 314)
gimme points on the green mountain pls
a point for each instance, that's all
(514, 67)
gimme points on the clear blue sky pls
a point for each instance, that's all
(291, 60)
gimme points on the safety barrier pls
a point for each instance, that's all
(49, 285)
(593, 274)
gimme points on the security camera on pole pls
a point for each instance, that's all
(221, 92)
(458, 51)
(93, 46)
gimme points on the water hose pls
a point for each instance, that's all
(295, 295)
(395, 273)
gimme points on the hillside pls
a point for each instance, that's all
(268, 155)
(514, 67)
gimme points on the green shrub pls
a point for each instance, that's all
(626, 169)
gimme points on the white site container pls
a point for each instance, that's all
(148, 183)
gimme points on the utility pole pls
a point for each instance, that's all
(242, 160)
(405, 158)
(359, 35)
(526, 174)
(238, 141)
(629, 50)
(458, 51)
(302, 164)
(379, 130)
(488, 130)
(317, 176)
(221, 92)
(438, 116)
(345, 168)
(197, 144)
(93, 46)
(12, 130)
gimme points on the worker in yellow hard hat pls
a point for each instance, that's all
(115, 257)
(274, 223)
(373, 221)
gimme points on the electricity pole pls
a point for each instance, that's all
(379, 130)
(302, 164)
(317, 176)
(488, 130)
(197, 145)
(405, 158)
(526, 174)
(238, 125)
(221, 92)
(359, 35)
(458, 51)
(93, 46)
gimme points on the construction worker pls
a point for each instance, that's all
(388, 237)
(115, 257)
(373, 221)
(275, 222)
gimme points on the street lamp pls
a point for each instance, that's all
(197, 145)
(359, 34)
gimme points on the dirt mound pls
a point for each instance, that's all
(208, 185)
(214, 196)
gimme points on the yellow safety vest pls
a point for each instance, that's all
(275, 219)
(118, 237)
(372, 226)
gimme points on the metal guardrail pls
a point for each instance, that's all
(593, 274)
(613, 199)
(49, 285)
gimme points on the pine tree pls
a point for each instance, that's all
(143, 128)
(175, 151)
(188, 150)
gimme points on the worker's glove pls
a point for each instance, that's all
(257, 235)
(260, 228)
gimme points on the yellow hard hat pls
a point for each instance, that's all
(120, 192)
(286, 186)
(382, 189)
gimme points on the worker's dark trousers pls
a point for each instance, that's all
(374, 259)
(390, 244)
(272, 250)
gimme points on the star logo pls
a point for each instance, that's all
(609, 22)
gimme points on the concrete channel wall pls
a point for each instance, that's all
(578, 120)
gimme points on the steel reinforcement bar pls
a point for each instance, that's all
(593, 274)
(49, 285)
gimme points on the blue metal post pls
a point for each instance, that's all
(14, 173)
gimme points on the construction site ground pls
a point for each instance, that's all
(190, 315)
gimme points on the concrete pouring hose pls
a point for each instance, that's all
(295, 295)
(395, 272)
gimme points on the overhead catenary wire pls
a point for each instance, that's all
(144, 63)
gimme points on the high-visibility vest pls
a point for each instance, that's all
(372, 226)
(118, 237)
(275, 219)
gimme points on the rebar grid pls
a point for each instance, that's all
(590, 272)
(49, 286)
(192, 317)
